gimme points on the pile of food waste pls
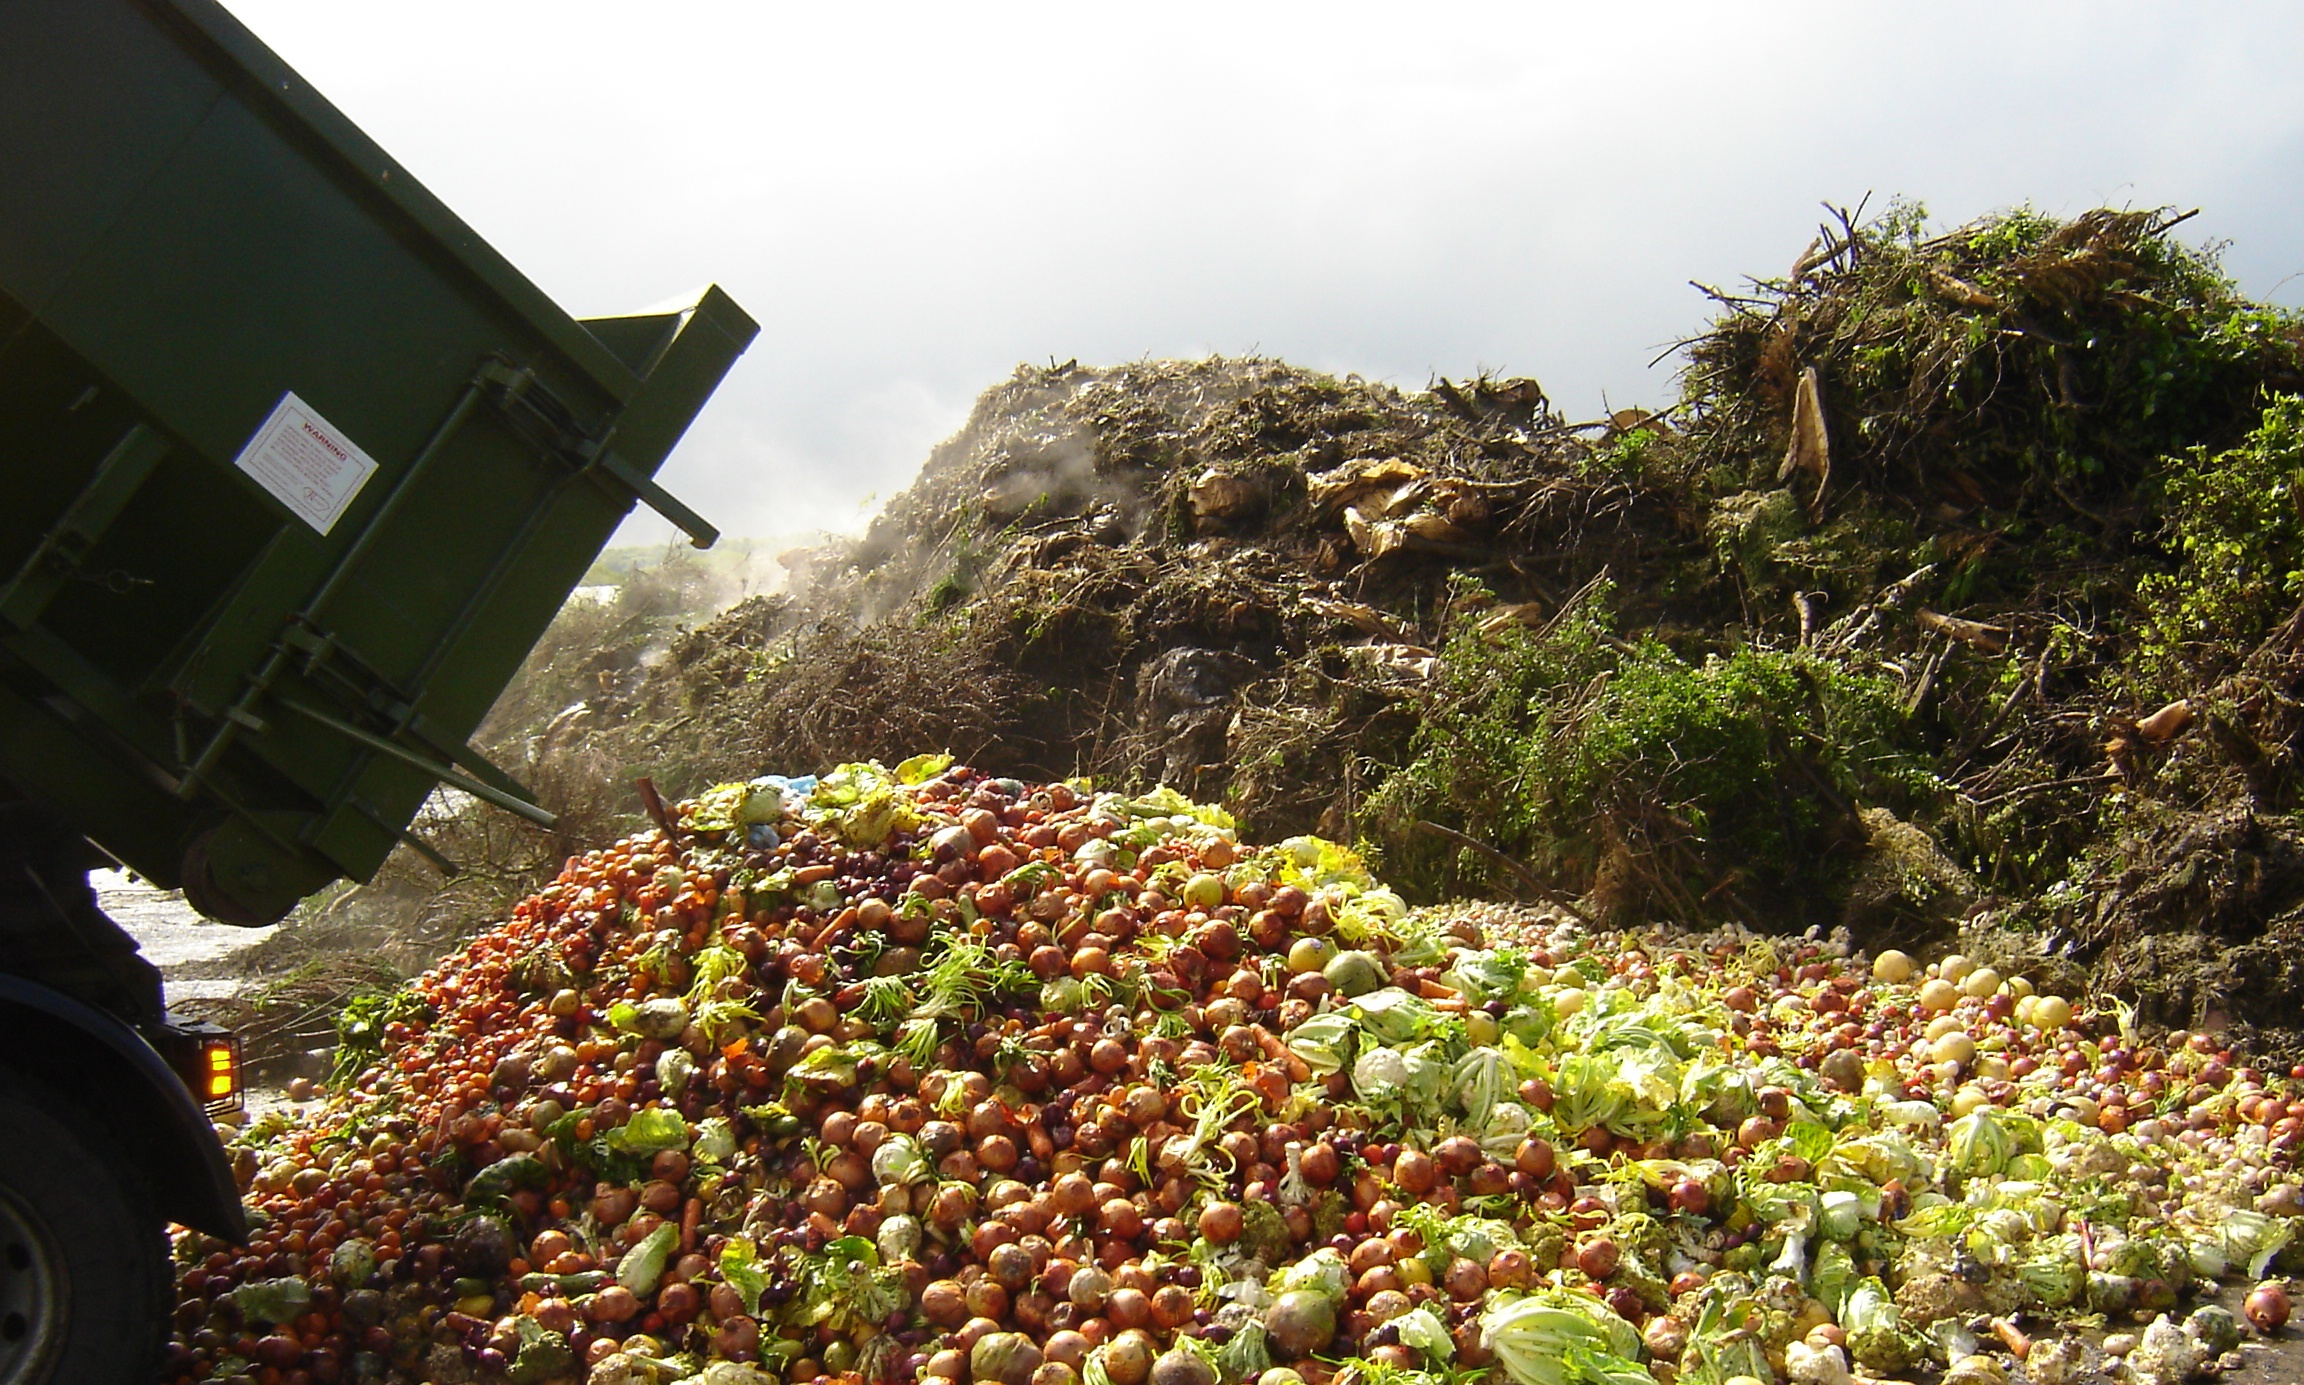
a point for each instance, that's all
(913, 1073)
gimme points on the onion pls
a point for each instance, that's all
(1182, 1366)
(1666, 1336)
(1457, 1155)
(1128, 1358)
(1008, 1358)
(2267, 1308)
(1415, 1171)
(1221, 1222)
(1090, 1288)
(1510, 1269)
(1598, 1257)
(945, 1303)
(1300, 1322)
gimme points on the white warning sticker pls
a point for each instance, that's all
(306, 463)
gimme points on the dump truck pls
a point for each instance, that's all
(294, 471)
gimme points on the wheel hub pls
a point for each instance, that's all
(33, 1294)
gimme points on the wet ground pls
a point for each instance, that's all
(2263, 1361)
(176, 939)
(173, 937)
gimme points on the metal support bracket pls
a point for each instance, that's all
(453, 778)
(118, 477)
(655, 497)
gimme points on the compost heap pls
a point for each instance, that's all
(923, 1073)
(1953, 602)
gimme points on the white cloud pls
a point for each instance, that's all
(913, 198)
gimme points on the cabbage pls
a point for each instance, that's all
(1482, 1081)
(722, 806)
(2251, 1238)
(2213, 1326)
(834, 1068)
(1247, 1355)
(273, 1300)
(1486, 976)
(353, 1264)
(1164, 802)
(1323, 1272)
(675, 1069)
(1840, 1215)
(1622, 1090)
(1396, 1017)
(1324, 1042)
(1312, 863)
(650, 1132)
(899, 1239)
(1427, 1086)
(661, 1018)
(715, 1140)
(862, 805)
(1834, 1277)
(1984, 1141)
(1877, 1335)
(1724, 1341)
(899, 1162)
(2053, 1275)
(1422, 1329)
(643, 1265)
(1996, 1236)
(1471, 1236)
(1559, 1338)
(1880, 1157)
(740, 1266)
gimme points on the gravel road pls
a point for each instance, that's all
(172, 935)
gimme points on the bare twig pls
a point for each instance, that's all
(1525, 875)
(2030, 789)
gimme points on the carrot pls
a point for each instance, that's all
(2019, 1345)
(691, 1217)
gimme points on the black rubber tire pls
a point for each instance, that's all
(85, 1284)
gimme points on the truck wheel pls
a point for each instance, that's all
(85, 1287)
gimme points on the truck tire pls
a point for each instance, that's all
(85, 1285)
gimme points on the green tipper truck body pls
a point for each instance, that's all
(294, 470)
(237, 657)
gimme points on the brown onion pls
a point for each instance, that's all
(2267, 1308)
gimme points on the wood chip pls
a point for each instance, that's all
(1973, 633)
(1810, 450)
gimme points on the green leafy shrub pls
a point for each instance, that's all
(2235, 521)
(2018, 368)
(1726, 788)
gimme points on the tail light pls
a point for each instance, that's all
(207, 1057)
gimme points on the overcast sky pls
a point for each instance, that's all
(913, 199)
